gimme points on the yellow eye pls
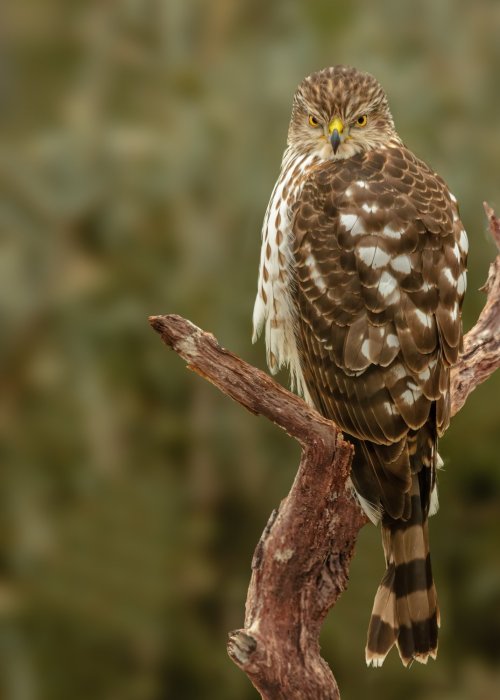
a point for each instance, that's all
(361, 121)
(313, 121)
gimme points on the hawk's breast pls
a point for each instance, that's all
(274, 307)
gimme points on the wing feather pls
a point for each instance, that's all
(379, 257)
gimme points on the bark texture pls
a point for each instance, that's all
(301, 563)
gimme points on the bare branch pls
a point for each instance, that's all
(301, 563)
(481, 354)
(252, 388)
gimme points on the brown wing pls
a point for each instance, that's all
(380, 275)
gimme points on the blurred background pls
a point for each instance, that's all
(139, 143)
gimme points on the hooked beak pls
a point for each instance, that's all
(335, 130)
(335, 140)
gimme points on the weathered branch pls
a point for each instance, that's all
(301, 563)
(481, 355)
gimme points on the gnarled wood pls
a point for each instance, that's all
(481, 355)
(301, 563)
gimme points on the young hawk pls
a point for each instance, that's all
(362, 277)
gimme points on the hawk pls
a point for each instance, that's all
(362, 277)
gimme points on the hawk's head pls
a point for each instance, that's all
(338, 112)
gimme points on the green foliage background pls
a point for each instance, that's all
(139, 143)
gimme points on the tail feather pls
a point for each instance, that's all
(405, 610)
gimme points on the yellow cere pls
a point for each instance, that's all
(336, 124)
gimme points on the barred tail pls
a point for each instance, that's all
(405, 611)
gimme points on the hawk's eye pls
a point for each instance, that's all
(361, 121)
(313, 121)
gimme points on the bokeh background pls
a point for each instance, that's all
(139, 143)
